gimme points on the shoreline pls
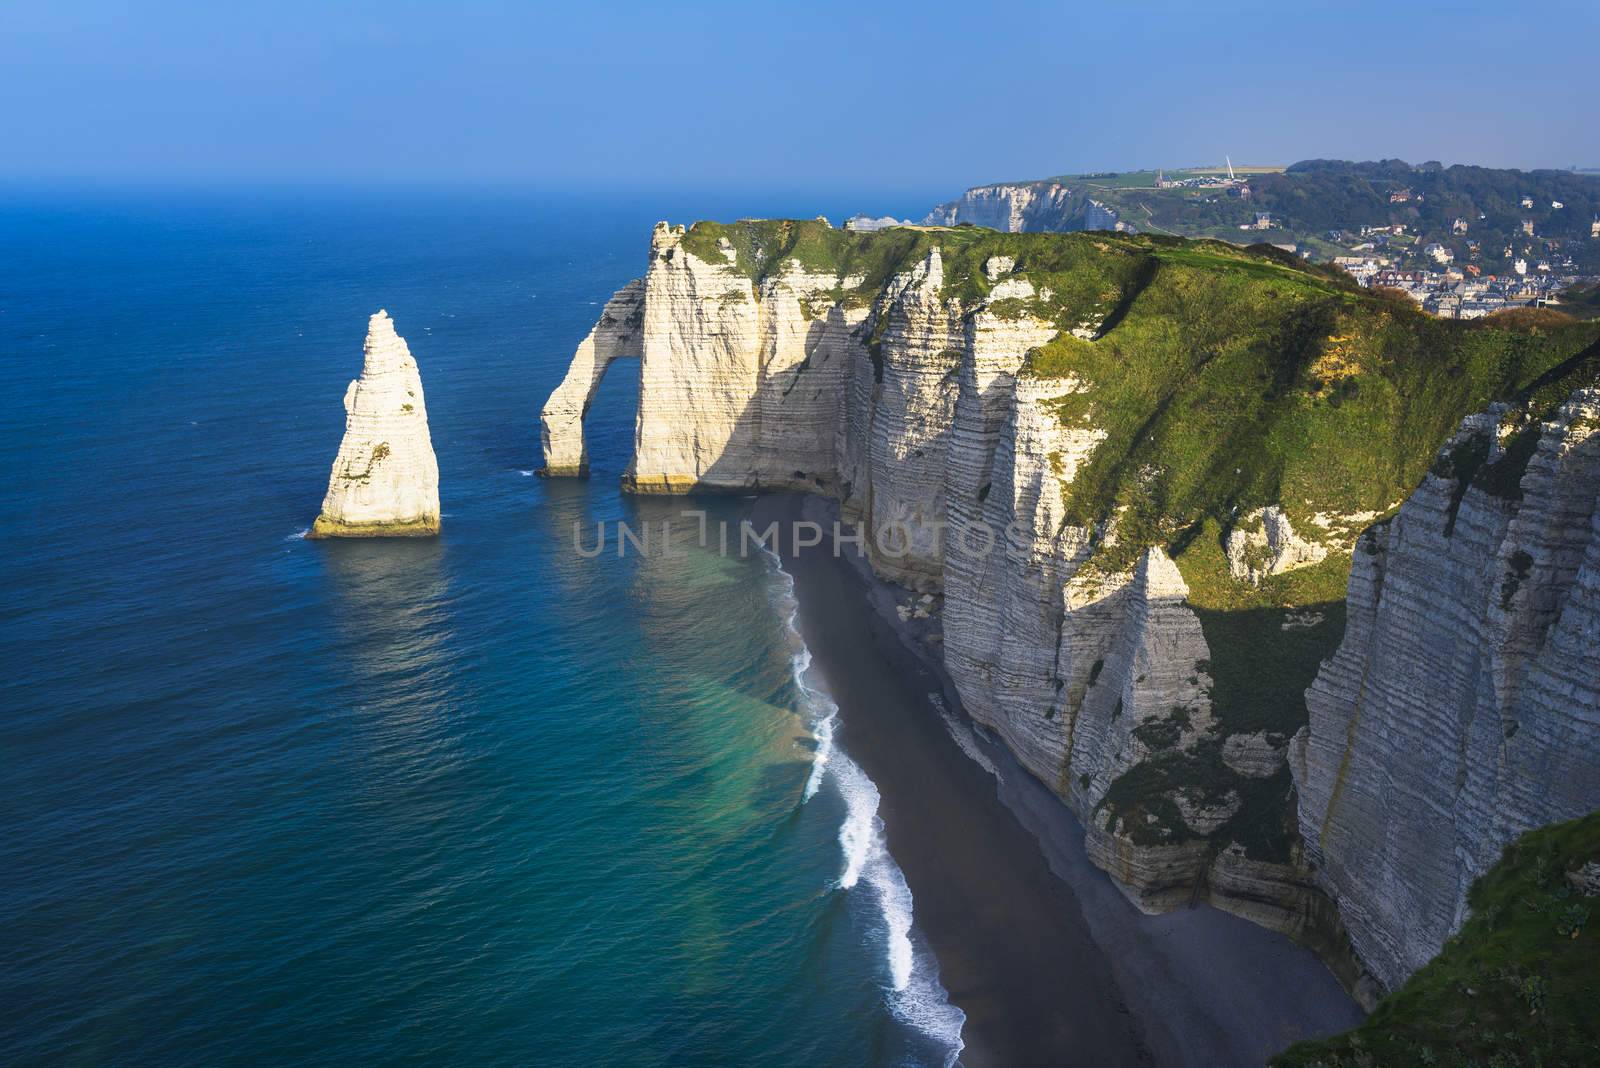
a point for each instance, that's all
(1045, 956)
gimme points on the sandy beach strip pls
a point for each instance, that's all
(1051, 964)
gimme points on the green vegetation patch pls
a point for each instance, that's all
(1583, 302)
(1518, 986)
(1081, 271)
(1262, 661)
(1229, 381)
(1142, 806)
(1467, 461)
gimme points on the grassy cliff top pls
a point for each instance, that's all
(1519, 985)
(1227, 381)
(1086, 268)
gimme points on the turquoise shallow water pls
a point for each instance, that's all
(475, 800)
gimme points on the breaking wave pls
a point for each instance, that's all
(915, 996)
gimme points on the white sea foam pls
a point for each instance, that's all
(299, 535)
(820, 711)
(819, 759)
(860, 833)
(525, 473)
(915, 996)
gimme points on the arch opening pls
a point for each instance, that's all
(618, 335)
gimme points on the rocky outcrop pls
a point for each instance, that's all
(385, 479)
(1028, 206)
(1463, 706)
(867, 222)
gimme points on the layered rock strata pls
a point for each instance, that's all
(1463, 706)
(385, 479)
(741, 383)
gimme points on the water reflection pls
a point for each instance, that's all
(391, 605)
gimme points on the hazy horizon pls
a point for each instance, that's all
(929, 96)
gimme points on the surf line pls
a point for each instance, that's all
(915, 995)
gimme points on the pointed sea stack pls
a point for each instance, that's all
(385, 480)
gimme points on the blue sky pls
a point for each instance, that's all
(800, 95)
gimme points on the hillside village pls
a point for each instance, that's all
(1463, 242)
(1451, 239)
(1428, 272)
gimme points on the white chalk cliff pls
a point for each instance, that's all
(1463, 707)
(912, 397)
(385, 479)
(1025, 206)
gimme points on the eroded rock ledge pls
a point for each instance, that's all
(617, 335)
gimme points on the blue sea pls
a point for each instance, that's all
(473, 800)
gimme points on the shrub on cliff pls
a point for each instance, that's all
(1519, 985)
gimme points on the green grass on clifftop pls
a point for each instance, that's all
(1228, 382)
(1518, 987)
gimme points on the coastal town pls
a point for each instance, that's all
(1432, 274)
(1451, 275)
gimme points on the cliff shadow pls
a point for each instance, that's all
(783, 435)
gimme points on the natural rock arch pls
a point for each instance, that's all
(619, 334)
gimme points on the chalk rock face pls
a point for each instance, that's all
(1254, 755)
(907, 402)
(997, 267)
(1463, 706)
(905, 399)
(618, 335)
(1010, 208)
(1028, 206)
(385, 479)
(900, 494)
(741, 385)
